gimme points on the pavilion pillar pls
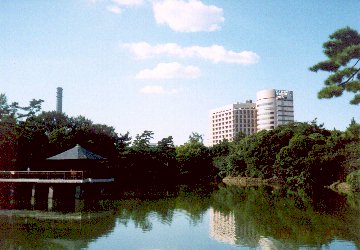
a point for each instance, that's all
(79, 203)
(12, 195)
(77, 192)
(50, 198)
(32, 201)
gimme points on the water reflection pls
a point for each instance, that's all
(227, 218)
(259, 218)
(222, 227)
(142, 211)
(22, 229)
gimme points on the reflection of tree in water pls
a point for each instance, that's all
(28, 229)
(256, 217)
(46, 230)
(142, 211)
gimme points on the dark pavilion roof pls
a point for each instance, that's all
(76, 153)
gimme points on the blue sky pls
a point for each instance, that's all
(161, 65)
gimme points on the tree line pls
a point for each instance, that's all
(29, 136)
(300, 155)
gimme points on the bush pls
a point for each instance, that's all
(354, 180)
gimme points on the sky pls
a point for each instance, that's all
(162, 65)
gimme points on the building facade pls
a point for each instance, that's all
(274, 108)
(228, 121)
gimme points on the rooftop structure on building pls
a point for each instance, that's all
(274, 107)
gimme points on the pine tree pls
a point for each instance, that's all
(343, 52)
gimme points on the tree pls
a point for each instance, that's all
(17, 112)
(194, 160)
(353, 131)
(352, 149)
(8, 142)
(239, 136)
(11, 129)
(142, 142)
(123, 144)
(196, 139)
(166, 156)
(343, 52)
(220, 149)
(166, 149)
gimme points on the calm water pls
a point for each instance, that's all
(229, 218)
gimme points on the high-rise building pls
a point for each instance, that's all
(59, 99)
(226, 122)
(274, 108)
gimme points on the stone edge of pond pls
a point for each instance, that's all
(251, 182)
(343, 188)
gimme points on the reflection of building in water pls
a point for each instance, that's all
(222, 226)
(225, 228)
(234, 230)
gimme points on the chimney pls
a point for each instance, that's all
(59, 100)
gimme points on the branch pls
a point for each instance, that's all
(352, 76)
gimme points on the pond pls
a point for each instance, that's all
(225, 218)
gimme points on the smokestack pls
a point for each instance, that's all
(59, 100)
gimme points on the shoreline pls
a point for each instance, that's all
(252, 182)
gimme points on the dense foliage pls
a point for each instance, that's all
(300, 155)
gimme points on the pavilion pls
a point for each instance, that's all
(78, 159)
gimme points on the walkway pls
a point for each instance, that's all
(49, 177)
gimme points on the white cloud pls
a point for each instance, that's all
(169, 71)
(95, 1)
(156, 89)
(129, 2)
(214, 53)
(114, 9)
(188, 16)
(118, 5)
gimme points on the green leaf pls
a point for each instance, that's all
(356, 99)
(330, 91)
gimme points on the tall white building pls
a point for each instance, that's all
(274, 108)
(226, 122)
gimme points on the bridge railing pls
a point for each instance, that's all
(64, 175)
